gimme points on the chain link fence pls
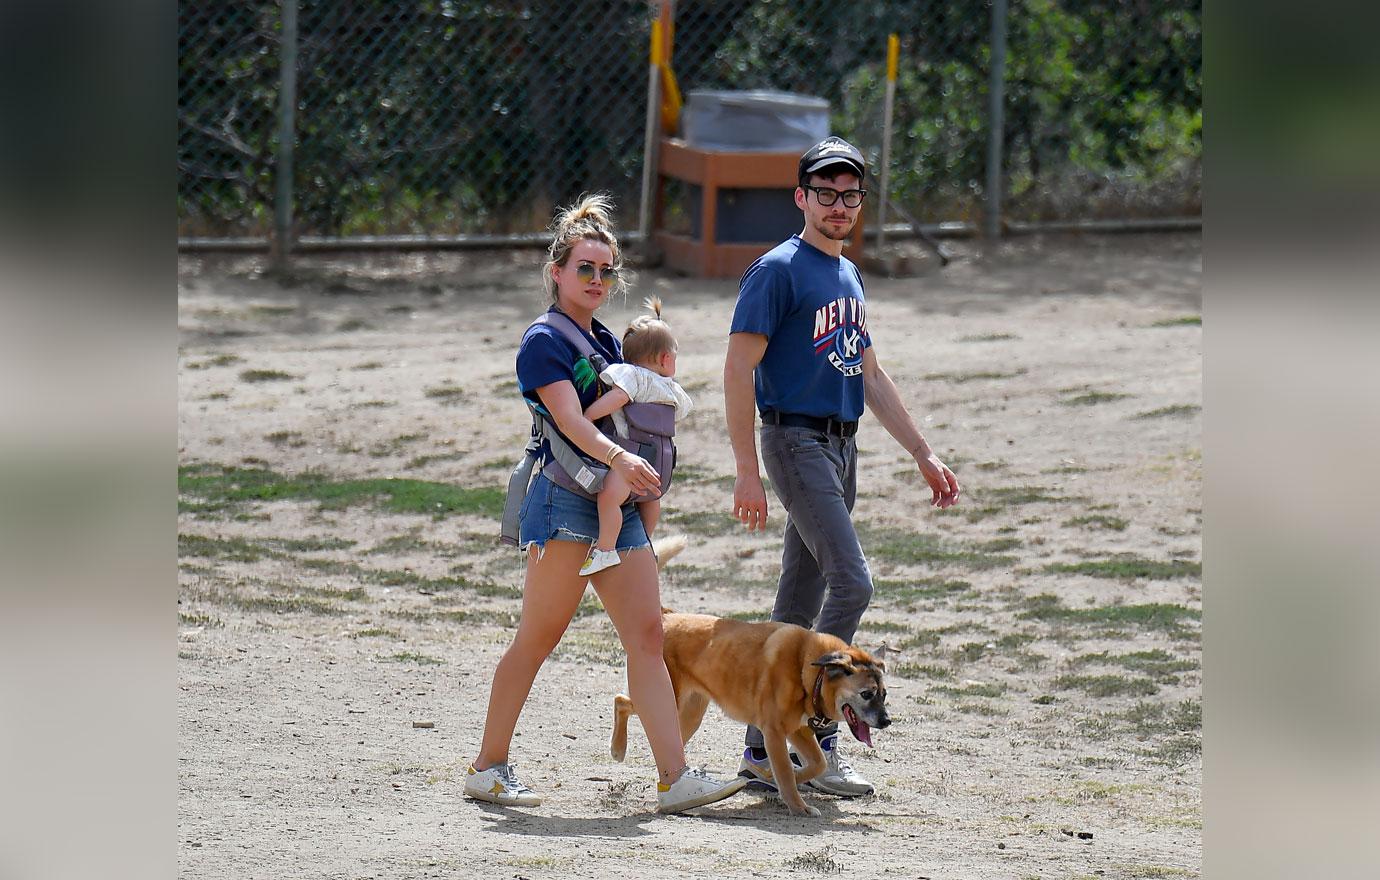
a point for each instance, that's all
(449, 116)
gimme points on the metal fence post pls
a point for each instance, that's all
(996, 120)
(281, 246)
(652, 133)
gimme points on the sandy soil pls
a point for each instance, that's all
(1061, 378)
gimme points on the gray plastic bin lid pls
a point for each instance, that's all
(761, 99)
(758, 120)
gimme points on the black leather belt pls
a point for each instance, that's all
(818, 423)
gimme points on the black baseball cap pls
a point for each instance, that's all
(832, 151)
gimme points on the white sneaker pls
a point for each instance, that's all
(694, 788)
(598, 560)
(499, 785)
(839, 778)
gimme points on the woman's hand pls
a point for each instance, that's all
(641, 476)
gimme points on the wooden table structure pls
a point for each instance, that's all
(701, 255)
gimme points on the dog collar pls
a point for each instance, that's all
(820, 717)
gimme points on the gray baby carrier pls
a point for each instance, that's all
(650, 429)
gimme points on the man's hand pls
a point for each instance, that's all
(750, 502)
(942, 480)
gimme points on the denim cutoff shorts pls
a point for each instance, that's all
(552, 513)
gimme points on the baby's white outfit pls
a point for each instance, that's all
(644, 386)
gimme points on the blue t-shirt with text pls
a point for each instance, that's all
(811, 308)
(546, 356)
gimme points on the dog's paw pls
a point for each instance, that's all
(812, 812)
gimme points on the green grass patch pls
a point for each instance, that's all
(271, 311)
(376, 632)
(601, 647)
(884, 626)
(447, 394)
(291, 439)
(998, 545)
(960, 378)
(309, 545)
(1020, 495)
(265, 376)
(220, 360)
(988, 337)
(413, 657)
(1098, 522)
(482, 616)
(1155, 616)
(970, 652)
(1157, 664)
(977, 514)
(1095, 397)
(394, 445)
(424, 460)
(1129, 567)
(233, 549)
(284, 604)
(1182, 321)
(920, 670)
(921, 589)
(1107, 685)
(704, 522)
(404, 578)
(1147, 719)
(1179, 409)
(911, 548)
(971, 690)
(368, 365)
(229, 484)
(207, 620)
(984, 709)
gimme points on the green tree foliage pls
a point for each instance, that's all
(461, 115)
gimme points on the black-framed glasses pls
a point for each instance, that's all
(607, 275)
(827, 195)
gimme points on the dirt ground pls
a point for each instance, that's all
(1043, 638)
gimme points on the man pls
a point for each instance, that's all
(799, 349)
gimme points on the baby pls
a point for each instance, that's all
(649, 354)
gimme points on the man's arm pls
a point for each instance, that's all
(613, 399)
(745, 352)
(884, 400)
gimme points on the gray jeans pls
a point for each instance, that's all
(825, 583)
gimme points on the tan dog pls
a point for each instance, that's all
(776, 676)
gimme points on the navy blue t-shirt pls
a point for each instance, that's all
(546, 356)
(811, 308)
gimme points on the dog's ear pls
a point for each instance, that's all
(837, 663)
(862, 658)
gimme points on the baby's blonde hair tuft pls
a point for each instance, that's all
(648, 337)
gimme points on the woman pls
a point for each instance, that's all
(558, 527)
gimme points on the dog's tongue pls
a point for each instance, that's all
(860, 731)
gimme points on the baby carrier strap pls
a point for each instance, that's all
(651, 426)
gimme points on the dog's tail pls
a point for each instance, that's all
(668, 548)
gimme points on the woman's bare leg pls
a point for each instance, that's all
(550, 596)
(632, 597)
